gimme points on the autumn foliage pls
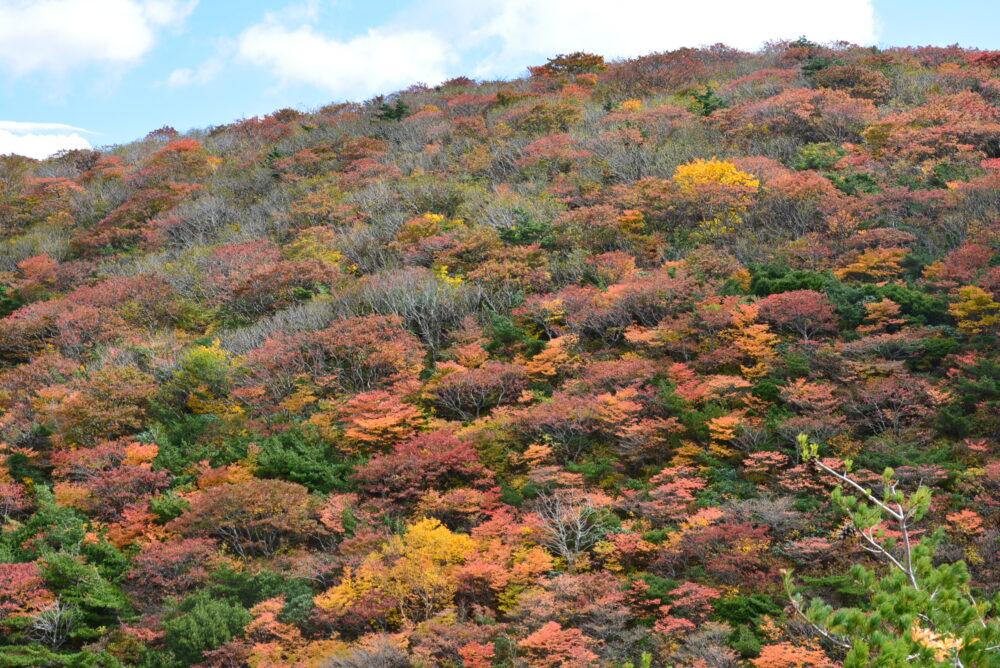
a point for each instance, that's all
(577, 369)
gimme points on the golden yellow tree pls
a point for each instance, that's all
(417, 569)
(720, 186)
(976, 311)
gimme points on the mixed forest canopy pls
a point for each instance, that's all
(686, 360)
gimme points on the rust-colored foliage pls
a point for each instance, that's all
(805, 312)
(430, 461)
(552, 645)
(253, 517)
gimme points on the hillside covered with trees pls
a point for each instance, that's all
(686, 360)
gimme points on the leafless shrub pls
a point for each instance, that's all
(779, 513)
(48, 239)
(428, 306)
(571, 524)
(379, 654)
(707, 647)
(367, 247)
(53, 625)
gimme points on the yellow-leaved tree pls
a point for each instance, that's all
(976, 311)
(720, 189)
(417, 569)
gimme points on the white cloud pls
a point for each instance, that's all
(166, 12)
(40, 140)
(380, 61)
(20, 127)
(57, 35)
(528, 30)
(203, 74)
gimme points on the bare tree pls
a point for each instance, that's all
(379, 654)
(429, 307)
(571, 524)
(53, 625)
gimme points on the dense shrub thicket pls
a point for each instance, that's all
(597, 367)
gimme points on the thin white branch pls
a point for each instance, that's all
(868, 495)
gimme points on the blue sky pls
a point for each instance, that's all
(98, 72)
